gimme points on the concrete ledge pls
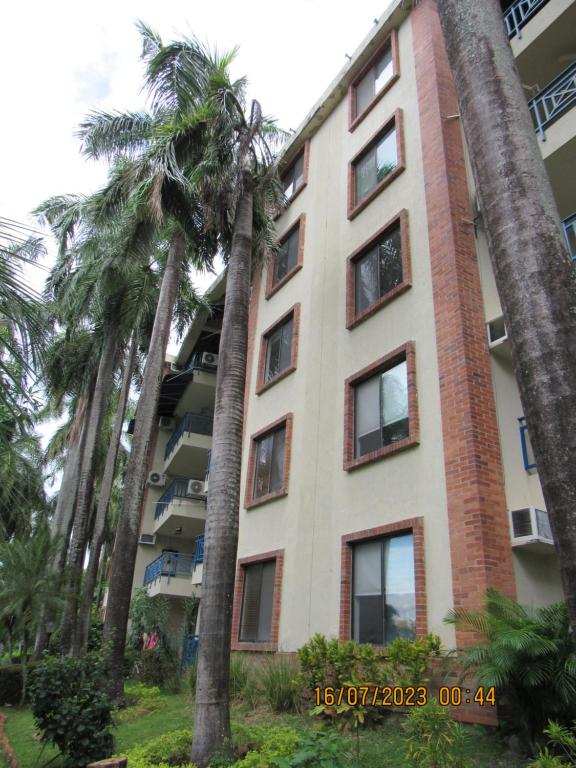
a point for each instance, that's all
(111, 762)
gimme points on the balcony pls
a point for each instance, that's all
(569, 226)
(198, 560)
(170, 575)
(556, 99)
(178, 514)
(187, 449)
(519, 14)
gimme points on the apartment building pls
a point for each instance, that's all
(387, 470)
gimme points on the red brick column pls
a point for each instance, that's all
(479, 531)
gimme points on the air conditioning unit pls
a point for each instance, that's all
(166, 422)
(147, 538)
(531, 529)
(196, 489)
(497, 333)
(209, 359)
(157, 479)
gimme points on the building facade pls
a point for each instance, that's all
(387, 473)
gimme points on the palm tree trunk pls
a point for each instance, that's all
(102, 389)
(103, 502)
(212, 710)
(126, 542)
(63, 516)
(533, 272)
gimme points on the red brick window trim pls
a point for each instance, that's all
(400, 221)
(251, 501)
(271, 286)
(406, 352)
(294, 315)
(304, 153)
(237, 645)
(356, 206)
(413, 525)
(355, 118)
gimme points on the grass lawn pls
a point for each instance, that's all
(382, 747)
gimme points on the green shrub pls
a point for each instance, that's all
(160, 666)
(277, 680)
(563, 740)
(408, 661)
(11, 682)
(241, 673)
(275, 743)
(145, 696)
(318, 750)
(435, 740)
(528, 656)
(170, 749)
(70, 710)
(326, 662)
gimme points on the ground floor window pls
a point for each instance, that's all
(257, 602)
(384, 591)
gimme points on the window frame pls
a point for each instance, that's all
(304, 152)
(354, 118)
(354, 206)
(271, 286)
(242, 563)
(352, 317)
(406, 352)
(415, 526)
(261, 384)
(251, 501)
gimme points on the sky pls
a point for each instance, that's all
(60, 60)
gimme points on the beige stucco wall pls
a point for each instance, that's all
(324, 502)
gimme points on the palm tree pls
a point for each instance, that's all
(27, 584)
(527, 655)
(533, 272)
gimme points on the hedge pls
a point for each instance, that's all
(11, 682)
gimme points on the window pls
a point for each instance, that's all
(287, 256)
(278, 350)
(376, 165)
(269, 462)
(383, 590)
(374, 80)
(294, 178)
(378, 270)
(381, 408)
(257, 602)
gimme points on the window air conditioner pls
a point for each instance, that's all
(196, 489)
(497, 333)
(209, 359)
(147, 538)
(157, 479)
(531, 528)
(166, 422)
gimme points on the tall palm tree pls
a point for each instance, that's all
(533, 272)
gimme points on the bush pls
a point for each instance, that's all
(11, 682)
(528, 656)
(272, 743)
(561, 738)
(277, 680)
(241, 673)
(167, 750)
(70, 710)
(332, 663)
(160, 666)
(318, 750)
(435, 740)
(146, 696)
(408, 661)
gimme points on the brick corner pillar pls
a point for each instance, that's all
(478, 519)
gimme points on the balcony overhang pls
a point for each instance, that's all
(181, 517)
(189, 458)
(171, 586)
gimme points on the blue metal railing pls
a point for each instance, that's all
(199, 550)
(569, 226)
(189, 650)
(527, 455)
(171, 565)
(176, 490)
(192, 422)
(519, 14)
(554, 100)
